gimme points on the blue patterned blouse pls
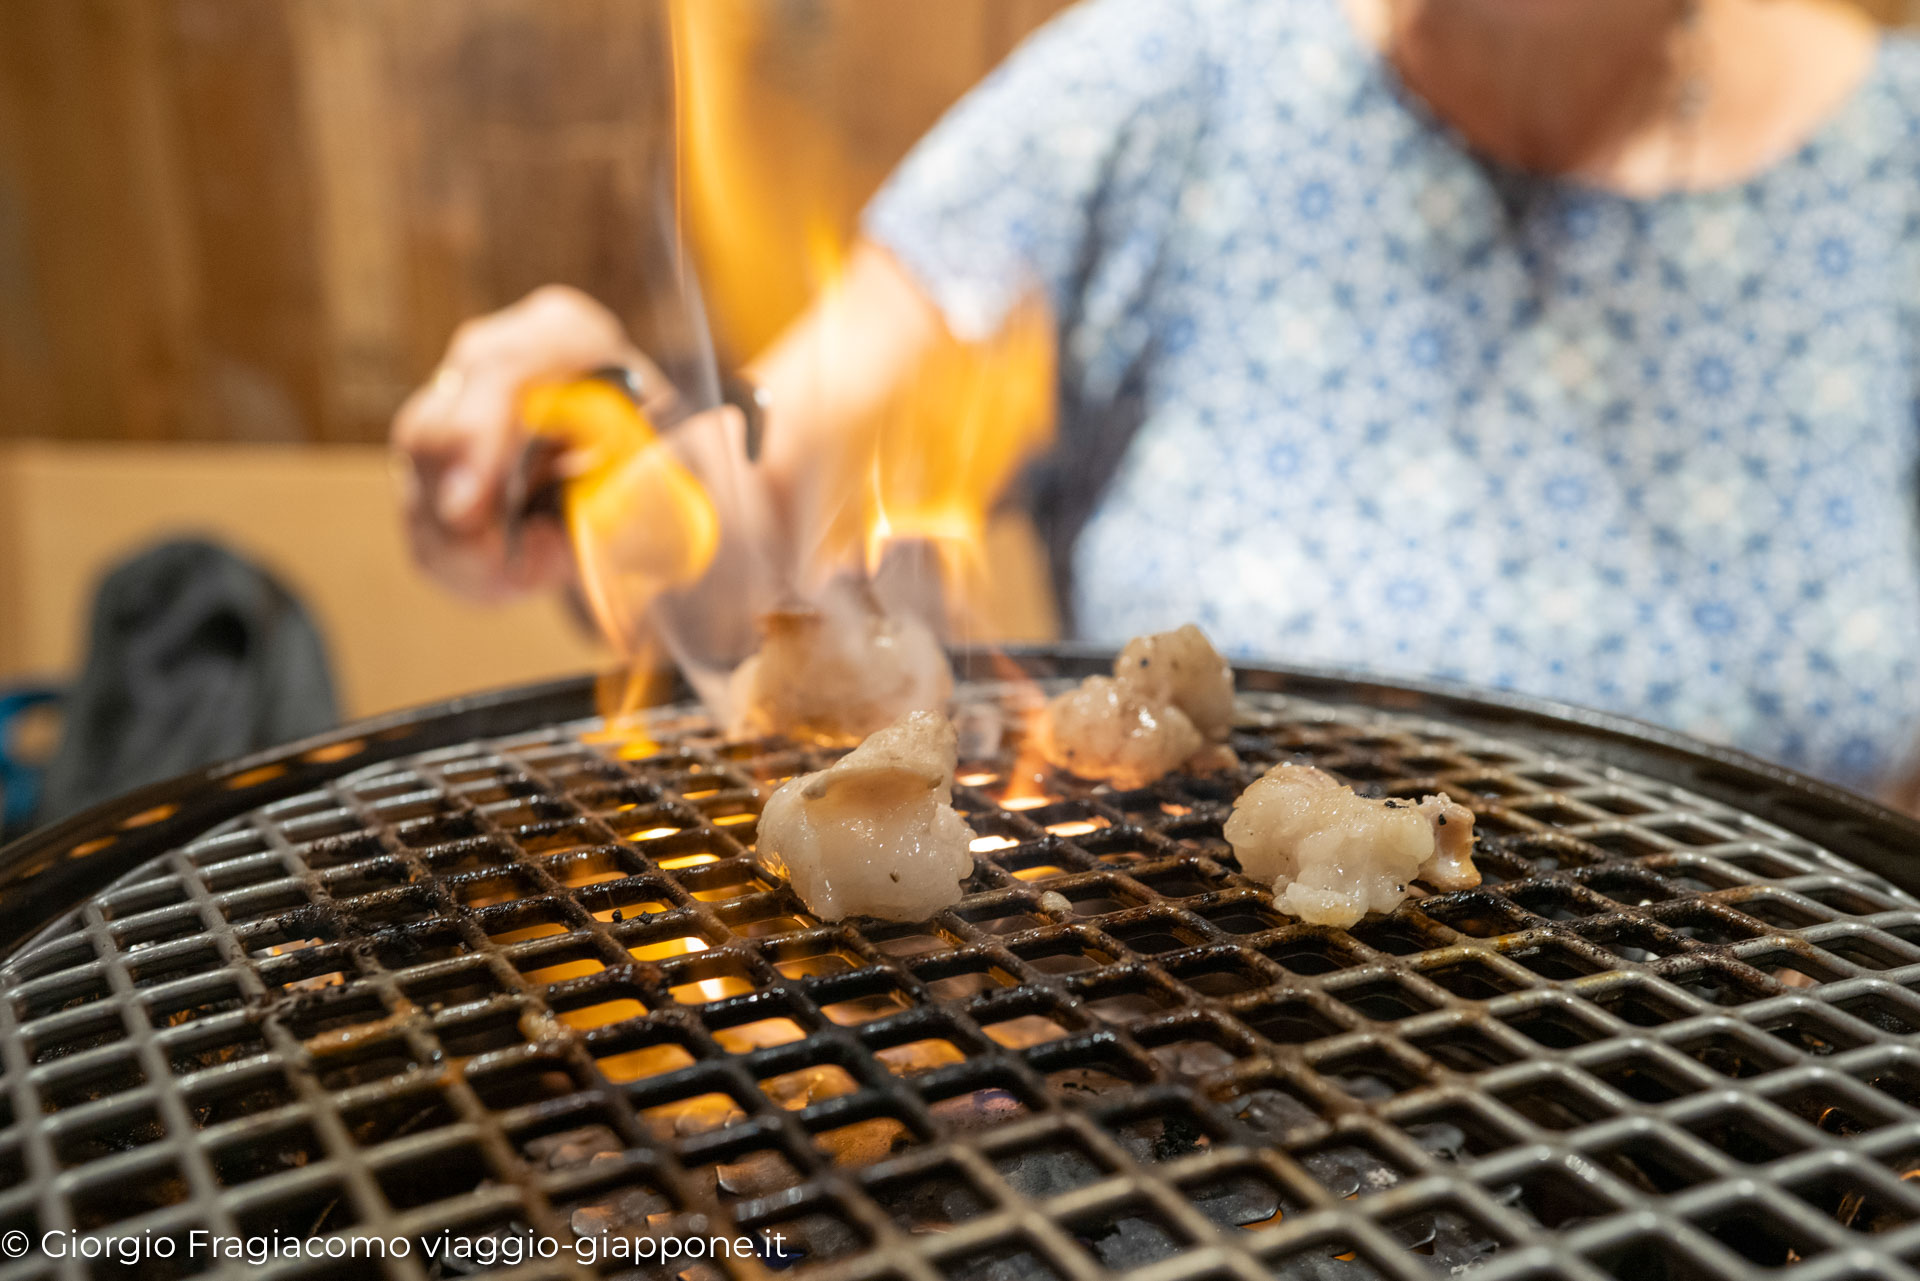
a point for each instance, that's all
(1401, 408)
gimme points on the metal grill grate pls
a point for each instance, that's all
(537, 983)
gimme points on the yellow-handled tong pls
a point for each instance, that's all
(584, 432)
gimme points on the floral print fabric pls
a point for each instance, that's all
(1406, 410)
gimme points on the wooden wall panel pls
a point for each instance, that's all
(236, 73)
(99, 319)
(259, 220)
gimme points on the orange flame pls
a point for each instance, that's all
(1025, 784)
(765, 179)
(946, 449)
(771, 193)
(620, 697)
(640, 521)
(767, 193)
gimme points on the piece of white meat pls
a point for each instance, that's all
(1332, 856)
(1102, 729)
(1181, 668)
(837, 670)
(874, 834)
(1168, 704)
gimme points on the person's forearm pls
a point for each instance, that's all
(826, 381)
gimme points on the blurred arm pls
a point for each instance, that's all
(826, 381)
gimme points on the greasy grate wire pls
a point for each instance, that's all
(537, 984)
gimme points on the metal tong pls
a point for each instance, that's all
(535, 484)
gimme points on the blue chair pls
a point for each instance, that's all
(19, 780)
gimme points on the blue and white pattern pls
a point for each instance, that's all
(1407, 410)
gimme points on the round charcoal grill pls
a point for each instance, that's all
(492, 969)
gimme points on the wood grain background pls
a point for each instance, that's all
(259, 220)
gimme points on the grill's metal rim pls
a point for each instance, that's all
(51, 870)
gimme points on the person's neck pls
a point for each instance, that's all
(1599, 91)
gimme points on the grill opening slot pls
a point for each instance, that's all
(457, 985)
(257, 1155)
(1081, 1072)
(958, 978)
(1857, 1200)
(1242, 916)
(926, 1198)
(381, 1117)
(1450, 1237)
(1384, 1000)
(865, 1141)
(1653, 1163)
(1244, 1196)
(1897, 1015)
(1466, 1048)
(1475, 979)
(1556, 1102)
(1850, 900)
(561, 1140)
(1172, 1130)
(1630, 887)
(1016, 1258)
(1023, 1031)
(320, 1208)
(1811, 1032)
(59, 1038)
(1555, 1198)
(976, 1099)
(1734, 1051)
(1272, 1108)
(1371, 1073)
(1711, 924)
(1071, 951)
(1195, 1047)
(1721, 984)
(1312, 955)
(1641, 1003)
(1836, 1105)
(623, 1058)
(1396, 935)
(1128, 1236)
(1865, 952)
(804, 1086)
(870, 998)
(599, 1006)
(1643, 1077)
(696, 1110)
(1558, 1026)
(1745, 1134)
(1558, 961)
(366, 1062)
(1351, 1165)
(1772, 1241)
(122, 1130)
(426, 1175)
(102, 1077)
(1328, 1256)
(1054, 1163)
(1457, 1131)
